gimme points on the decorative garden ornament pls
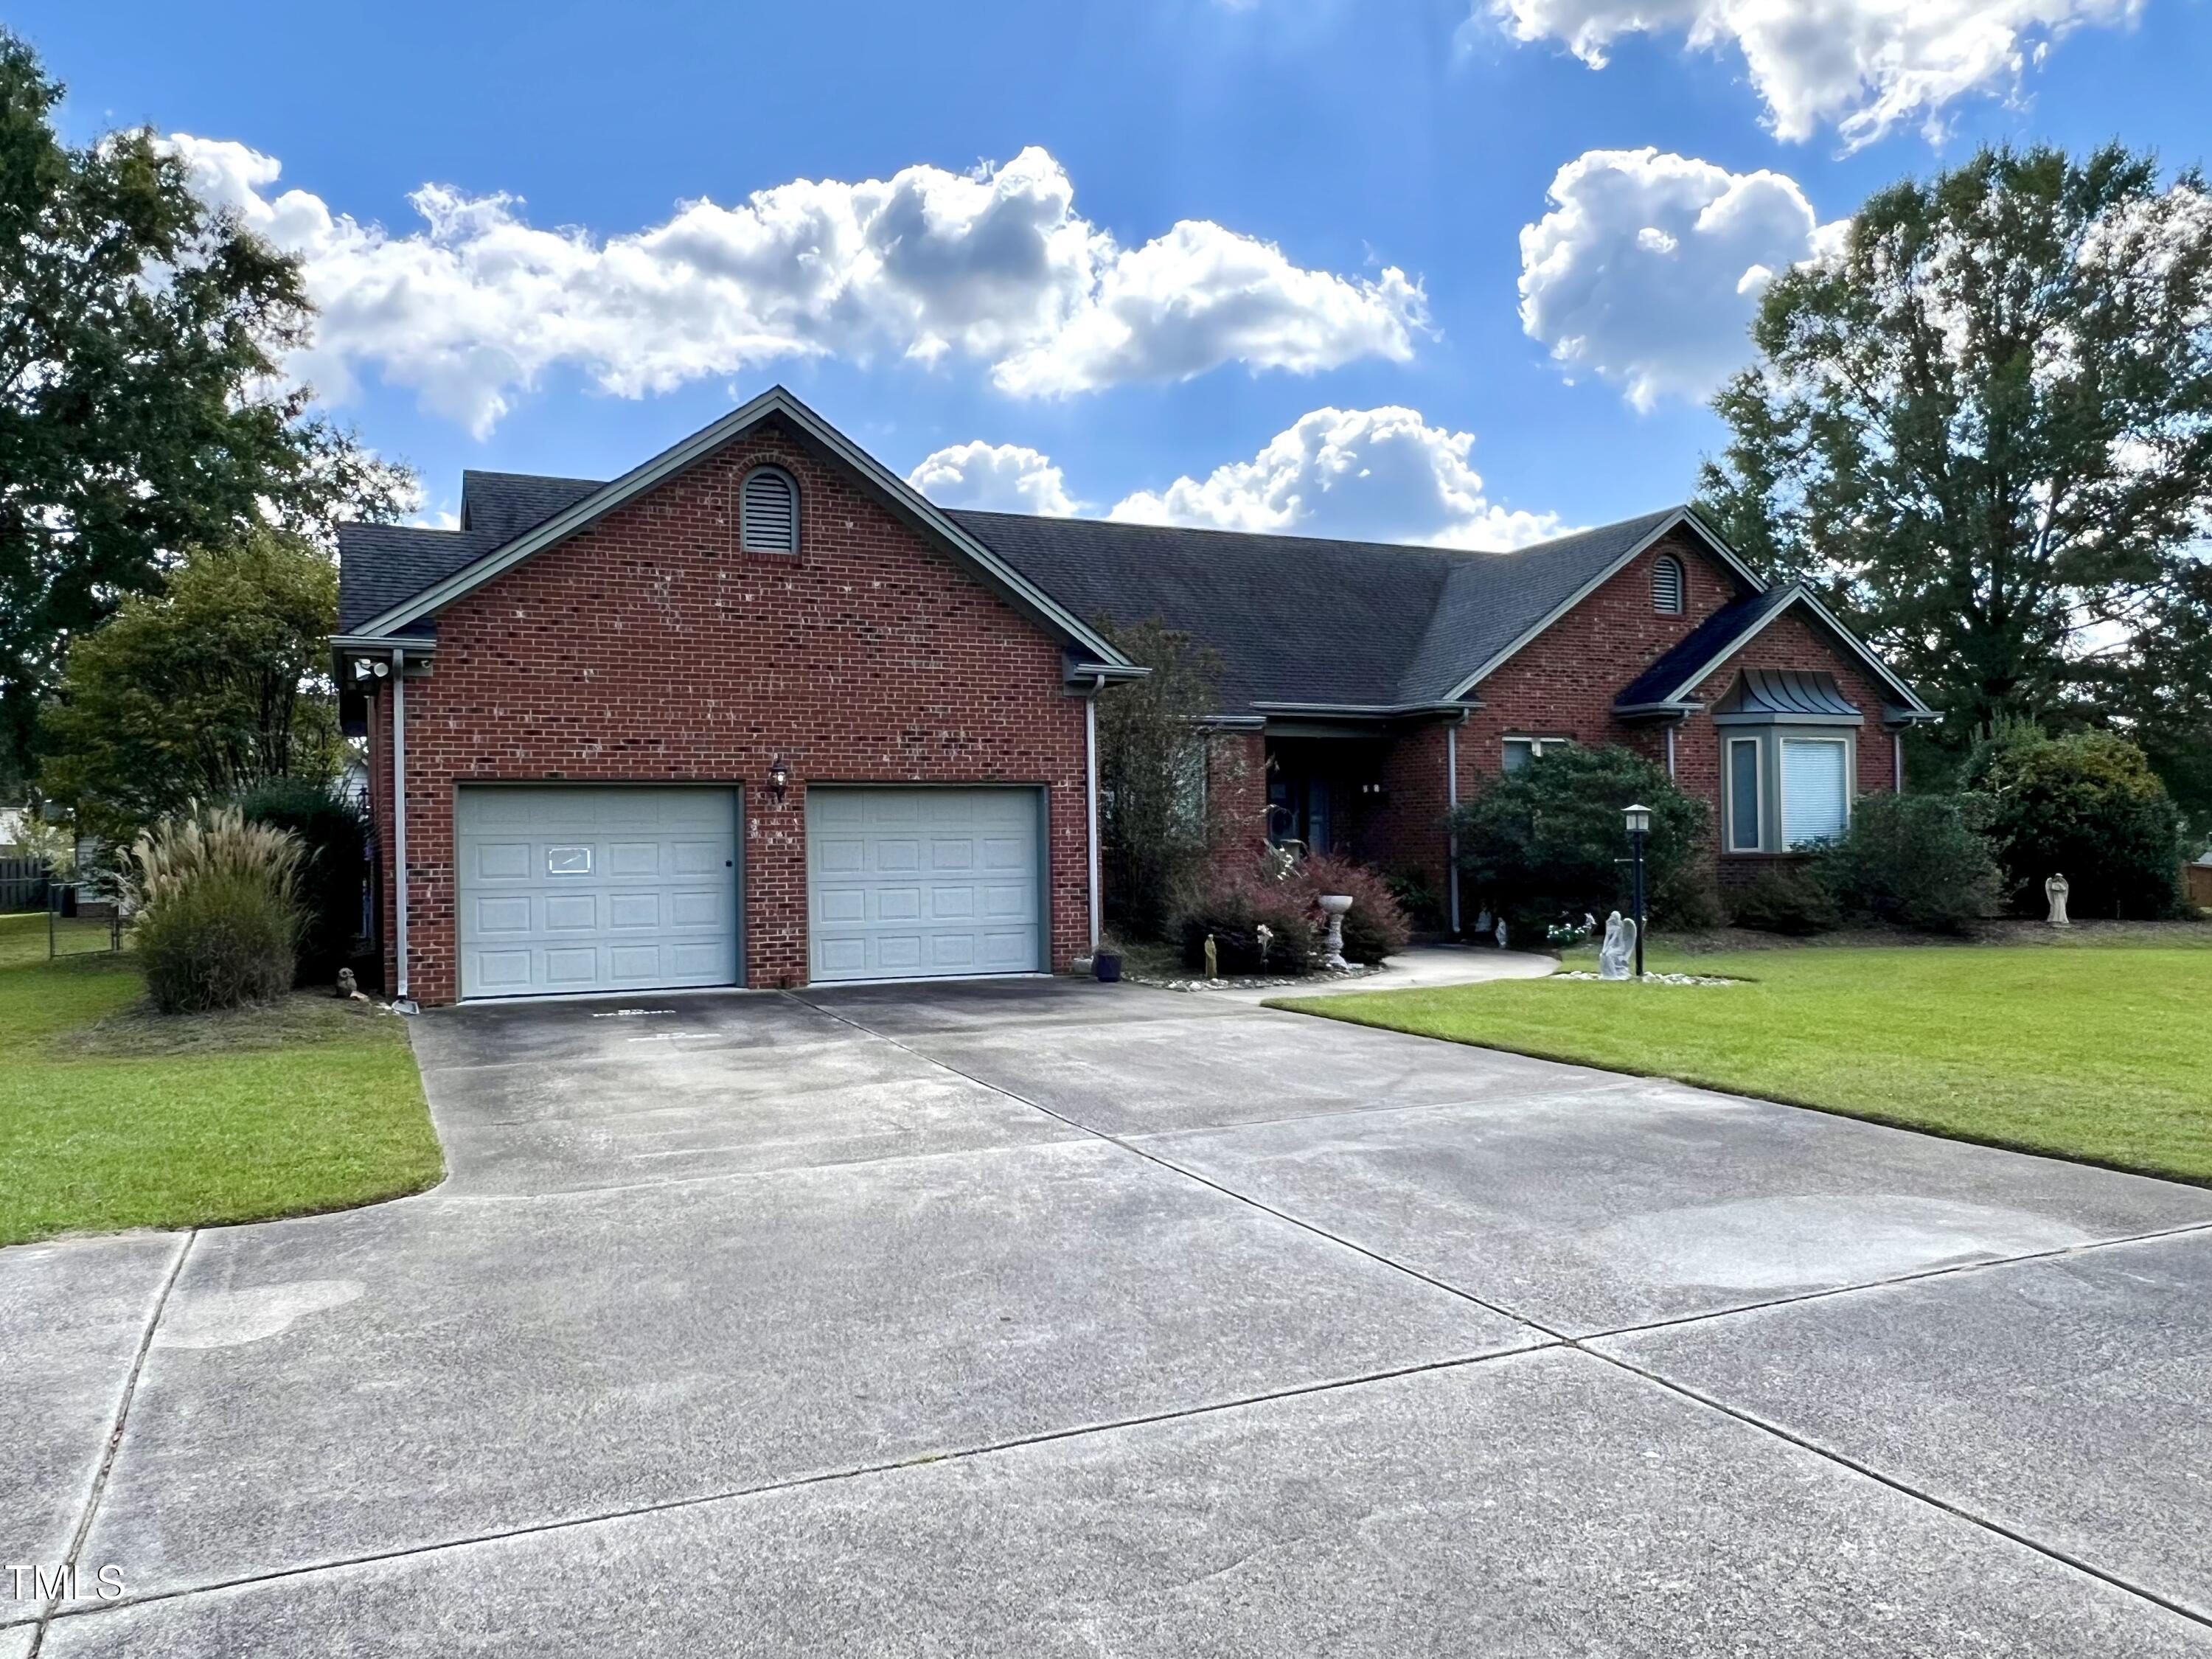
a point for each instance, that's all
(1501, 932)
(2054, 889)
(1334, 905)
(1482, 922)
(1618, 949)
(1266, 935)
(1212, 959)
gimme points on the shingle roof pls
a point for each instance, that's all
(379, 565)
(1294, 619)
(505, 504)
(1669, 678)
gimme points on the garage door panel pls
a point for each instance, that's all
(569, 913)
(914, 883)
(596, 889)
(502, 860)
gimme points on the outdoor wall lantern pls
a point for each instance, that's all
(779, 779)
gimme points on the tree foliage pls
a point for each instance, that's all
(1152, 777)
(1546, 840)
(142, 410)
(1919, 861)
(1983, 427)
(213, 684)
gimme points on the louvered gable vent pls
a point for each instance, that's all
(768, 512)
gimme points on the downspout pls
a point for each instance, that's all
(1091, 767)
(1896, 762)
(1671, 725)
(1451, 807)
(401, 1003)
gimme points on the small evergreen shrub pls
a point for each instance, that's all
(1917, 861)
(1425, 906)
(1375, 926)
(1783, 899)
(335, 835)
(1548, 841)
(218, 916)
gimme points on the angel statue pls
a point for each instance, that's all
(1619, 948)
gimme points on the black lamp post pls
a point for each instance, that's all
(1640, 826)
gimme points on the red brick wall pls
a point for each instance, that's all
(1235, 801)
(1409, 834)
(647, 649)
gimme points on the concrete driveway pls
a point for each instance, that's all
(1031, 1317)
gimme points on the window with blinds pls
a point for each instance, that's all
(768, 512)
(1667, 585)
(1816, 800)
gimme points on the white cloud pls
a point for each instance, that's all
(997, 477)
(1864, 65)
(1371, 474)
(1649, 268)
(994, 266)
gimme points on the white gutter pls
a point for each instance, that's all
(1896, 762)
(402, 1003)
(1671, 728)
(1451, 806)
(1090, 768)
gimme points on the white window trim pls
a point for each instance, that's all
(1783, 740)
(1758, 794)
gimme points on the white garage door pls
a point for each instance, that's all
(922, 883)
(564, 890)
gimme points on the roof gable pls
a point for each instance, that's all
(1668, 683)
(475, 558)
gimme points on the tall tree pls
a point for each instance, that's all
(1984, 428)
(215, 684)
(142, 410)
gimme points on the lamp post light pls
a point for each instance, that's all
(1640, 826)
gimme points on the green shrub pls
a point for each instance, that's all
(335, 836)
(217, 913)
(1375, 925)
(1233, 912)
(2086, 806)
(1783, 899)
(1917, 860)
(1425, 906)
(1546, 841)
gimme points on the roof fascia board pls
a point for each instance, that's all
(1680, 515)
(697, 447)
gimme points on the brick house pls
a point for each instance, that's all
(755, 713)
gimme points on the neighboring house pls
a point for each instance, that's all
(12, 820)
(757, 714)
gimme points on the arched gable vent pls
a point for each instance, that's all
(1667, 585)
(768, 512)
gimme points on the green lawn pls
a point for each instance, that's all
(112, 1116)
(2102, 1053)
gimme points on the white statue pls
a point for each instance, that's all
(1334, 905)
(1482, 922)
(1501, 932)
(2056, 890)
(1618, 949)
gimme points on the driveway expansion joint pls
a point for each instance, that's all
(65, 1578)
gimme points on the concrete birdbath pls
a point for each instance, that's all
(1334, 905)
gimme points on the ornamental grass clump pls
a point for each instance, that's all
(217, 916)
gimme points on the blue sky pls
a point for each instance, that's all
(1317, 146)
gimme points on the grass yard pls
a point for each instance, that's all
(112, 1116)
(2100, 1052)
